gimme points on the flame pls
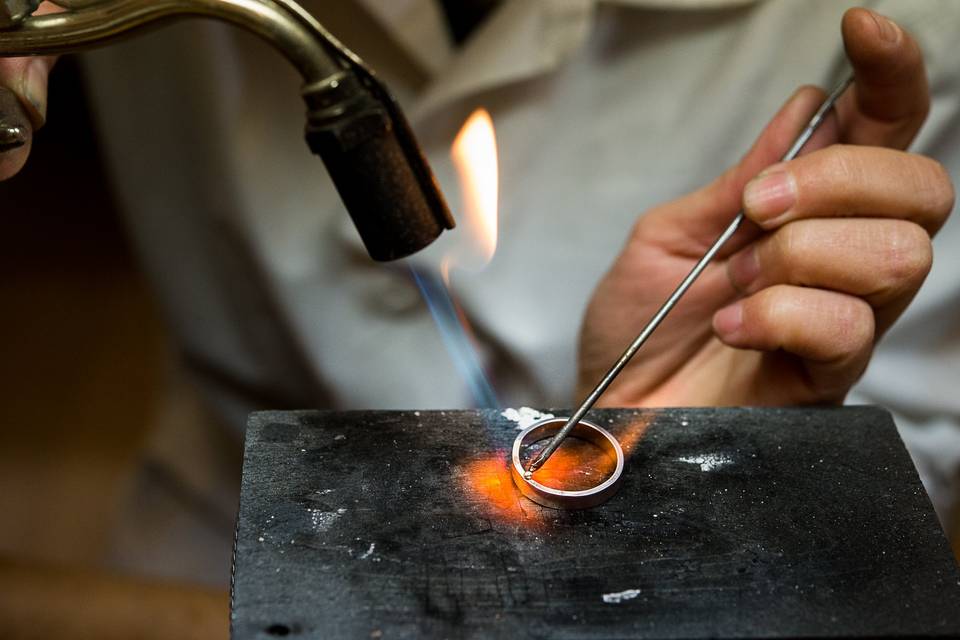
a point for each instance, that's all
(577, 465)
(630, 435)
(488, 480)
(474, 155)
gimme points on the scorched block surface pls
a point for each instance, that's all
(731, 523)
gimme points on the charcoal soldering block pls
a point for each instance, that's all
(730, 523)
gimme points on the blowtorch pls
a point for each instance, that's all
(353, 122)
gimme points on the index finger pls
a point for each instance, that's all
(890, 98)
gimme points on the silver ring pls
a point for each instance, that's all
(558, 498)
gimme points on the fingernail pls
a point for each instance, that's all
(34, 89)
(887, 28)
(14, 124)
(769, 195)
(743, 268)
(11, 137)
(727, 321)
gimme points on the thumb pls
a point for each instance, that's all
(23, 104)
(691, 224)
(23, 108)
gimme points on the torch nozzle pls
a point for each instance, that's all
(355, 124)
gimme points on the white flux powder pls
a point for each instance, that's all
(525, 416)
(708, 461)
(620, 596)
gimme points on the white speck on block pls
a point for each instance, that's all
(620, 596)
(525, 416)
(260, 539)
(322, 520)
(708, 461)
(303, 450)
(366, 554)
(342, 510)
(340, 437)
(685, 423)
(416, 413)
